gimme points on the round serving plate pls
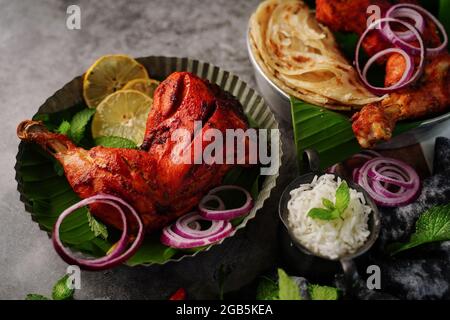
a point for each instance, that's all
(159, 67)
(279, 101)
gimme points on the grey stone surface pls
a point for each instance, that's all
(38, 55)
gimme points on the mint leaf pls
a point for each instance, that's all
(433, 225)
(342, 197)
(98, 228)
(78, 124)
(61, 291)
(288, 289)
(317, 292)
(115, 142)
(323, 214)
(35, 296)
(267, 290)
(328, 204)
(64, 127)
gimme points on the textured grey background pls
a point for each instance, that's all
(38, 55)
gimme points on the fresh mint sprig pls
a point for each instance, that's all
(76, 128)
(433, 225)
(98, 228)
(287, 289)
(333, 210)
(79, 123)
(61, 291)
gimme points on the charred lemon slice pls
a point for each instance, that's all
(110, 74)
(122, 114)
(147, 86)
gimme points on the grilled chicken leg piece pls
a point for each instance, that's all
(151, 179)
(353, 15)
(430, 95)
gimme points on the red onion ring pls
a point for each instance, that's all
(396, 12)
(406, 80)
(379, 193)
(213, 197)
(380, 175)
(182, 228)
(399, 42)
(383, 189)
(407, 74)
(189, 238)
(117, 255)
(222, 214)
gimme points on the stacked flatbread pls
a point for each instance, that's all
(302, 58)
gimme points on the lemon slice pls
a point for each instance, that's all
(110, 74)
(122, 114)
(147, 86)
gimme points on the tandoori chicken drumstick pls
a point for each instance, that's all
(151, 180)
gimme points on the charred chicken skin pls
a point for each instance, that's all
(353, 16)
(430, 95)
(158, 186)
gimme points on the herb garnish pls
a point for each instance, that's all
(433, 225)
(61, 291)
(333, 210)
(287, 289)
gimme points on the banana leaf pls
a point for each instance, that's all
(47, 193)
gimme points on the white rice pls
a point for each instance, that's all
(329, 238)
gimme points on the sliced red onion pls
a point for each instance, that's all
(392, 170)
(195, 225)
(212, 197)
(391, 175)
(222, 214)
(383, 188)
(394, 38)
(409, 76)
(395, 165)
(182, 226)
(333, 168)
(119, 254)
(397, 12)
(180, 236)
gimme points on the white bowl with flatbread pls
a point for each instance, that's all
(294, 55)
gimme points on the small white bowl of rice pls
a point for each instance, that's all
(342, 238)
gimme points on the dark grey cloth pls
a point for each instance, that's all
(422, 272)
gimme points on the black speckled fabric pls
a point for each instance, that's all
(422, 272)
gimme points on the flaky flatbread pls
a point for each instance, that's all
(302, 58)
